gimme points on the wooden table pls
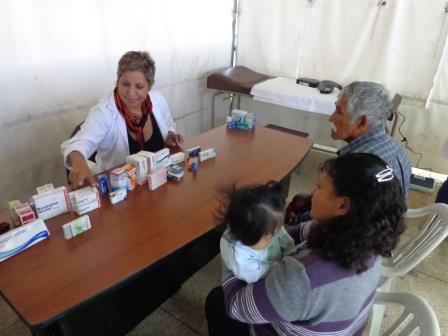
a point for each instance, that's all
(138, 252)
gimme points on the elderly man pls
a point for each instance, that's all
(360, 119)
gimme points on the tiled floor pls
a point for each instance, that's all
(183, 314)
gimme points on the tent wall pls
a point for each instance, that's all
(58, 58)
(399, 45)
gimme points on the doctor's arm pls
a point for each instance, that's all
(80, 174)
(84, 143)
(173, 138)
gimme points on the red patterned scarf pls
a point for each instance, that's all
(131, 119)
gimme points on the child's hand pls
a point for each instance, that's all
(300, 204)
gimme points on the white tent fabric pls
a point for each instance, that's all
(396, 44)
(270, 35)
(58, 58)
(439, 91)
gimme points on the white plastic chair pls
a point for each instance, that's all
(410, 254)
(417, 314)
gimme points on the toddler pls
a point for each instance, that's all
(254, 238)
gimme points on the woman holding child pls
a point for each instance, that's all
(328, 284)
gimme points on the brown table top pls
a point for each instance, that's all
(57, 274)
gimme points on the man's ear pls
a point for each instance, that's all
(360, 126)
(362, 123)
(344, 206)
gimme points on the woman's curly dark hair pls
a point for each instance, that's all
(251, 211)
(374, 221)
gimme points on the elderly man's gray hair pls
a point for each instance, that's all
(367, 99)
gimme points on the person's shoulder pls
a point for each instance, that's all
(391, 145)
(156, 96)
(106, 106)
(376, 142)
(288, 270)
(158, 102)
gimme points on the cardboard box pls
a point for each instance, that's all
(84, 200)
(157, 178)
(51, 203)
(24, 213)
(141, 167)
(21, 238)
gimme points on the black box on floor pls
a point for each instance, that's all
(421, 183)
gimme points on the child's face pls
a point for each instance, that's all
(325, 205)
(266, 239)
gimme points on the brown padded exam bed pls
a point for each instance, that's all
(238, 79)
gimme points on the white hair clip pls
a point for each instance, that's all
(385, 175)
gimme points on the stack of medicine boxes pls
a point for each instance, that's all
(151, 166)
(84, 200)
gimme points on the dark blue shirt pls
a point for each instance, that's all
(379, 143)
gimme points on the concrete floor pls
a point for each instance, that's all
(183, 314)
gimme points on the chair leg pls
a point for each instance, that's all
(213, 109)
(379, 311)
(376, 320)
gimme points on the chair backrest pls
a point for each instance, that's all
(415, 250)
(91, 158)
(417, 314)
(396, 101)
(75, 130)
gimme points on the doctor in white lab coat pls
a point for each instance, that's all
(130, 119)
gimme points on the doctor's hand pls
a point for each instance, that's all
(173, 139)
(80, 174)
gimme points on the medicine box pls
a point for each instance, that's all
(23, 213)
(41, 189)
(51, 203)
(45, 188)
(84, 200)
(12, 214)
(193, 152)
(175, 173)
(163, 158)
(118, 195)
(242, 119)
(131, 176)
(141, 166)
(76, 227)
(157, 178)
(118, 179)
(159, 159)
(207, 154)
(21, 238)
(151, 159)
(177, 158)
(103, 184)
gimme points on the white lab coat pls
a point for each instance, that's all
(105, 132)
